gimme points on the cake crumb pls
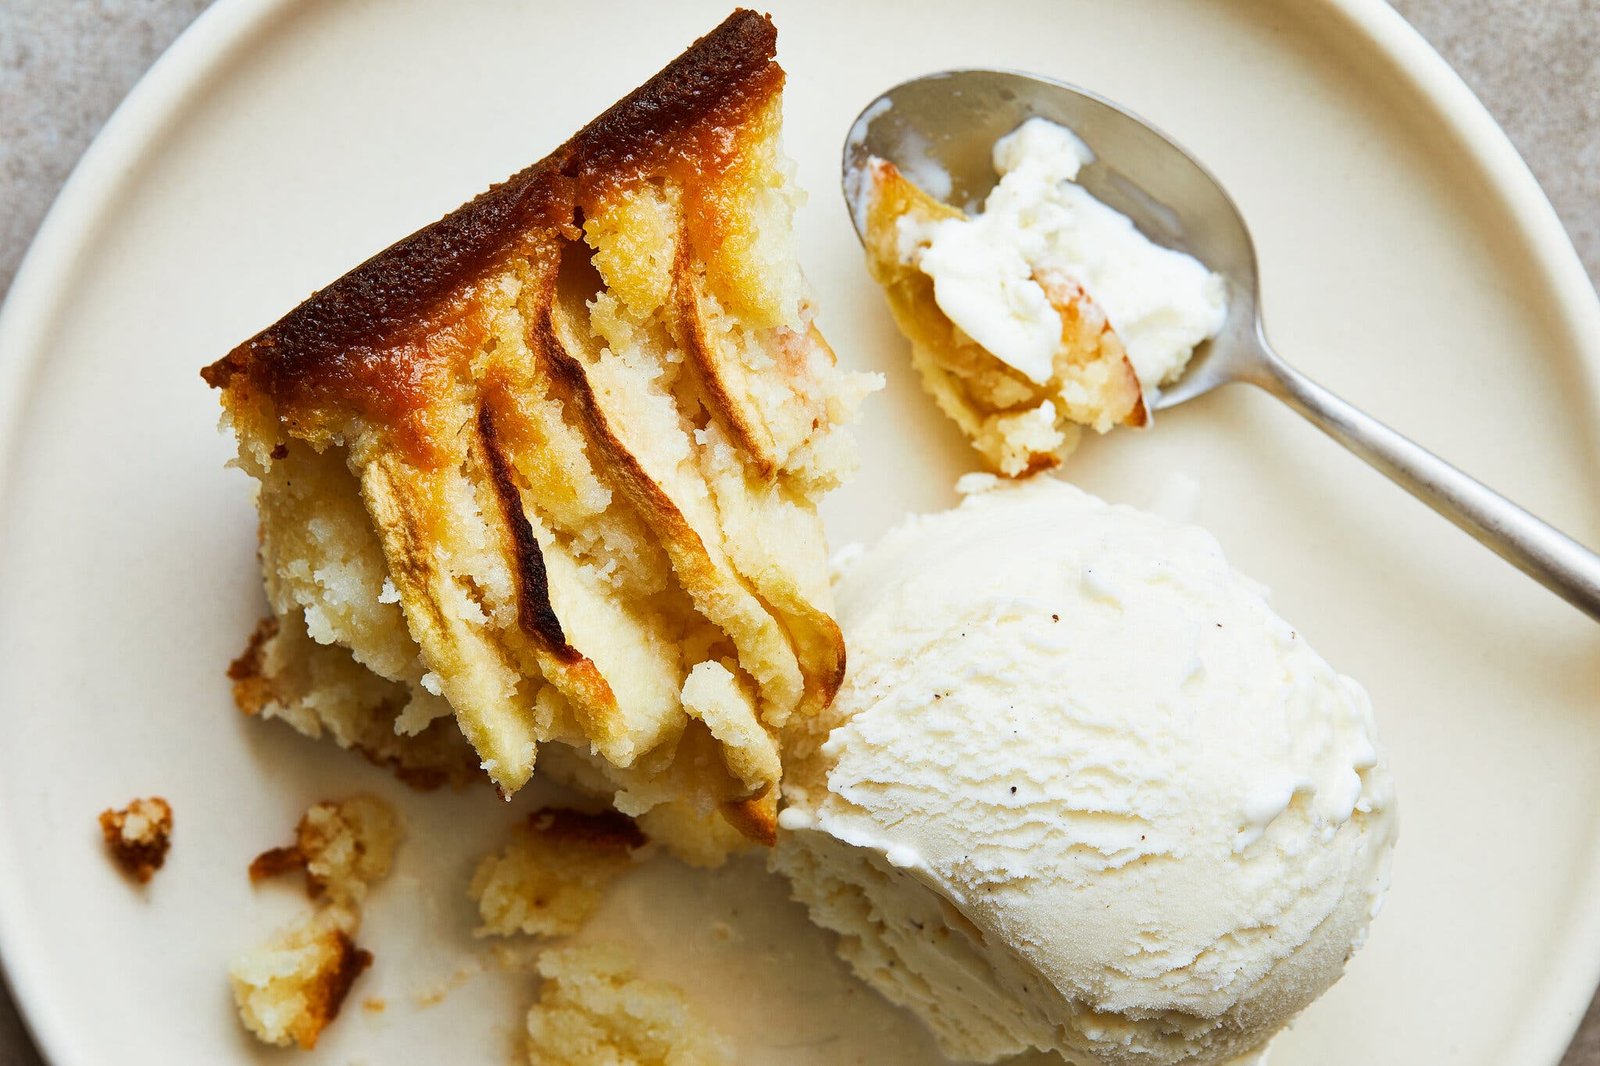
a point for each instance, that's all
(549, 880)
(375, 1004)
(594, 1008)
(289, 989)
(341, 846)
(434, 996)
(138, 836)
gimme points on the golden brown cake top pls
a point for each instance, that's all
(377, 342)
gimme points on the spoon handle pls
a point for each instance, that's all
(1532, 545)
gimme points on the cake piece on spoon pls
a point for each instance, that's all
(1042, 314)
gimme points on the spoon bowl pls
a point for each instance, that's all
(940, 130)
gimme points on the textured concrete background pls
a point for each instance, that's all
(64, 65)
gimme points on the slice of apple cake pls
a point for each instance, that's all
(550, 465)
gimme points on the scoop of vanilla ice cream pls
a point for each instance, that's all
(1083, 790)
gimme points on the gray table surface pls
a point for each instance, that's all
(64, 65)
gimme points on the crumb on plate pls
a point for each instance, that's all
(343, 847)
(550, 878)
(594, 1008)
(289, 989)
(435, 995)
(138, 836)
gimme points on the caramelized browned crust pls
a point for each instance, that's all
(275, 861)
(420, 778)
(138, 836)
(369, 342)
(535, 614)
(326, 994)
(252, 690)
(756, 817)
(607, 829)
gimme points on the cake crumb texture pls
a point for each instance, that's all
(341, 846)
(138, 836)
(289, 989)
(550, 878)
(594, 1010)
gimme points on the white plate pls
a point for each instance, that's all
(1409, 261)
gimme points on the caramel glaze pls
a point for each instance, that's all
(383, 342)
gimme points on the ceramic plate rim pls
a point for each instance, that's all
(210, 42)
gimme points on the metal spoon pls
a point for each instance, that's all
(947, 123)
